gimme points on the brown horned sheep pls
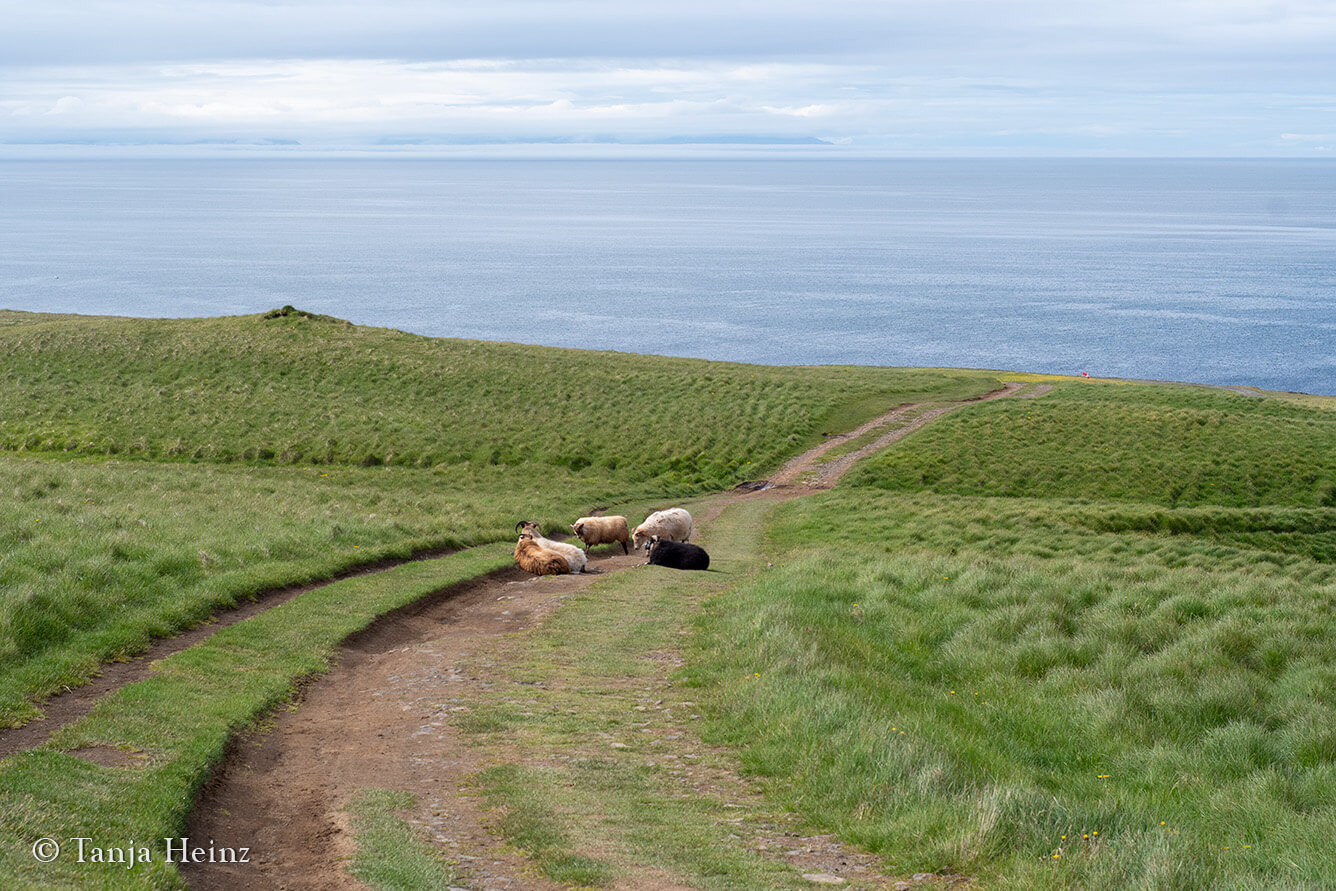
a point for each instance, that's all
(574, 556)
(533, 557)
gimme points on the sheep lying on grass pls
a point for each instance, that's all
(673, 524)
(602, 530)
(574, 556)
(677, 554)
(533, 557)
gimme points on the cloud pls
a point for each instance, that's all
(1163, 77)
(328, 94)
(66, 105)
(955, 31)
(99, 31)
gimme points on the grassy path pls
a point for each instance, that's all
(589, 750)
(822, 467)
(539, 746)
(565, 733)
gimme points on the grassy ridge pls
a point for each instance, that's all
(391, 856)
(993, 653)
(299, 390)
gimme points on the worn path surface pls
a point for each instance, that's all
(382, 718)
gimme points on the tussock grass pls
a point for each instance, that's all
(300, 390)
(1285, 541)
(1048, 672)
(966, 713)
(1175, 446)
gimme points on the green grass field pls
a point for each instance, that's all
(1079, 641)
(1083, 641)
(1173, 446)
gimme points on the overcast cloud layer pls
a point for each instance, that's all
(935, 77)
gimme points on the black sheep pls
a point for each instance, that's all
(677, 554)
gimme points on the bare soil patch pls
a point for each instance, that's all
(108, 756)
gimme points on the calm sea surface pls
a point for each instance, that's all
(1212, 271)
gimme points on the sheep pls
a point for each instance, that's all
(533, 557)
(602, 530)
(677, 554)
(574, 556)
(673, 524)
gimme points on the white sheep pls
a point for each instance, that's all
(602, 530)
(574, 556)
(673, 524)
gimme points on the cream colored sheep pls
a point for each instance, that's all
(602, 530)
(673, 524)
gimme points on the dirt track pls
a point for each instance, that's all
(380, 718)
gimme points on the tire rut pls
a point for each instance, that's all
(73, 703)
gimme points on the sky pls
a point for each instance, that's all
(852, 78)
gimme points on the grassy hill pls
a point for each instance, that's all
(154, 470)
(300, 390)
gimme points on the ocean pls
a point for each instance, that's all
(1212, 271)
